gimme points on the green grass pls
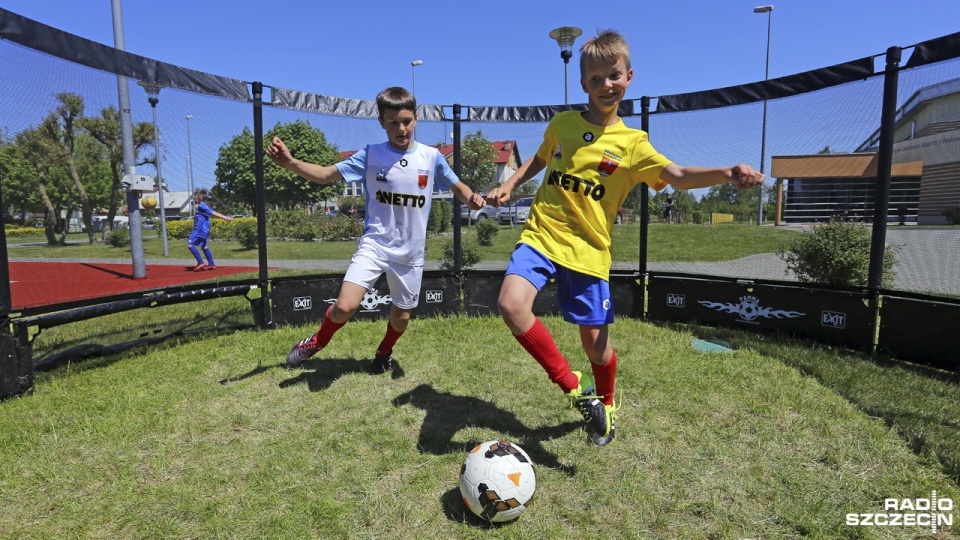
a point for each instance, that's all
(213, 438)
(679, 243)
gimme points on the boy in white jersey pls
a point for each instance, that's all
(593, 161)
(399, 176)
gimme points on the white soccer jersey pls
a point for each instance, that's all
(398, 188)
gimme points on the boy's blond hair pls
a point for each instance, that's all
(396, 98)
(607, 45)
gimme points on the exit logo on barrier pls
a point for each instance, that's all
(302, 303)
(434, 297)
(676, 300)
(833, 319)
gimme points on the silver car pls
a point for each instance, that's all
(516, 212)
(487, 212)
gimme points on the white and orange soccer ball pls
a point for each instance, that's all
(149, 202)
(497, 481)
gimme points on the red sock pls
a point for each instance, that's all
(327, 329)
(539, 343)
(605, 377)
(389, 340)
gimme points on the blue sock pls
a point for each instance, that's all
(196, 254)
(209, 254)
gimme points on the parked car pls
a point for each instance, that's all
(487, 212)
(516, 212)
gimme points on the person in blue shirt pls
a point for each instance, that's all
(201, 231)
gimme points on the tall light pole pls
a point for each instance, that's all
(413, 71)
(190, 161)
(153, 90)
(565, 36)
(763, 141)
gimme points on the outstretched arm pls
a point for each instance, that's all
(742, 175)
(528, 170)
(468, 197)
(319, 174)
(221, 216)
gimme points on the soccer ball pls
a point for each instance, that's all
(497, 481)
(149, 202)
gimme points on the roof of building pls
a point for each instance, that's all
(837, 166)
(503, 149)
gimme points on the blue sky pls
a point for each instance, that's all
(488, 54)
(495, 53)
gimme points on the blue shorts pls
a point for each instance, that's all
(584, 300)
(196, 241)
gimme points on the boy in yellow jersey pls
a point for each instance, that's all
(593, 160)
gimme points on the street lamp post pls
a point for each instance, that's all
(190, 161)
(763, 140)
(565, 36)
(153, 90)
(413, 71)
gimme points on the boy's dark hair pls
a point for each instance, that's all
(607, 45)
(396, 98)
(202, 192)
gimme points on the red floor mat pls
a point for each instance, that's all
(35, 284)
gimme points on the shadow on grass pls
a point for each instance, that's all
(328, 370)
(447, 414)
(456, 510)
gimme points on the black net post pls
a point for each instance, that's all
(11, 382)
(261, 307)
(645, 191)
(891, 80)
(457, 165)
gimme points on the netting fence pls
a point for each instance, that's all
(875, 140)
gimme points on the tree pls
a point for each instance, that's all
(105, 129)
(478, 169)
(42, 167)
(19, 183)
(236, 179)
(84, 161)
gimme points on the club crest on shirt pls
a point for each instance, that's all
(422, 178)
(403, 162)
(559, 154)
(381, 175)
(588, 136)
(608, 163)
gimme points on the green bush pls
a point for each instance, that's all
(836, 253)
(697, 218)
(469, 255)
(119, 238)
(288, 224)
(441, 217)
(245, 231)
(16, 231)
(486, 230)
(340, 227)
(179, 230)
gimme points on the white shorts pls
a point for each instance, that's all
(403, 280)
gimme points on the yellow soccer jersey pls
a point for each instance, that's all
(590, 170)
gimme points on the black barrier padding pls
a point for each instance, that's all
(64, 317)
(9, 367)
(920, 331)
(305, 301)
(833, 317)
(481, 290)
